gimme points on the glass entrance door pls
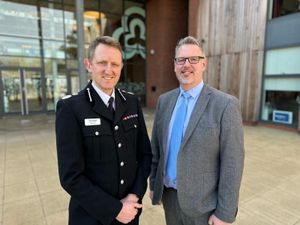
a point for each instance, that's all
(21, 90)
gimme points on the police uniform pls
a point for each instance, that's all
(101, 157)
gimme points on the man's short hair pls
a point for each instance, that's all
(189, 40)
(106, 40)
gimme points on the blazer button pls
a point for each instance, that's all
(122, 181)
(116, 127)
(120, 145)
(96, 133)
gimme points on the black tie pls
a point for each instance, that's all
(110, 105)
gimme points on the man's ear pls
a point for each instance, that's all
(87, 64)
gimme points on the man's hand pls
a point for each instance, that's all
(128, 211)
(213, 220)
(130, 198)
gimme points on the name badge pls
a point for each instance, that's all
(92, 121)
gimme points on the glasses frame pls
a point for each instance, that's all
(189, 59)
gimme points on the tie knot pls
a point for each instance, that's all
(186, 95)
(111, 100)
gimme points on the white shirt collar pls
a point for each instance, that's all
(105, 97)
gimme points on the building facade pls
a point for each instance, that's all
(253, 50)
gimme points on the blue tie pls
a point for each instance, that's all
(176, 136)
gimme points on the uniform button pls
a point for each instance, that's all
(97, 133)
(135, 126)
(120, 145)
(116, 127)
(122, 164)
(122, 181)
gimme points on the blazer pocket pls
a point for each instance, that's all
(99, 144)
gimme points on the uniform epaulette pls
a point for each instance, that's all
(67, 96)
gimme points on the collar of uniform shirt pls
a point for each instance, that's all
(105, 97)
(195, 91)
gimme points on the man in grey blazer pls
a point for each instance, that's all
(196, 174)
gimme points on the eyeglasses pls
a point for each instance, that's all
(191, 59)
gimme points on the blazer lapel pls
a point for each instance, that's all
(197, 113)
(167, 113)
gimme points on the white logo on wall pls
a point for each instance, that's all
(129, 32)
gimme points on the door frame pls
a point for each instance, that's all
(24, 100)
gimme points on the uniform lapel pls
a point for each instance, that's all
(167, 113)
(197, 113)
(120, 107)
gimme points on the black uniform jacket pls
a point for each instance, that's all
(101, 157)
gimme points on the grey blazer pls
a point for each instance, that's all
(211, 157)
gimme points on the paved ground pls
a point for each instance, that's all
(30, 193)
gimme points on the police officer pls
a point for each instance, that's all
(103, 147)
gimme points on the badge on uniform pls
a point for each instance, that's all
(92, 121)
(130, 116)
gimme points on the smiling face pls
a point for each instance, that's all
(105, 67)
(189, 75)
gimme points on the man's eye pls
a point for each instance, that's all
(180, 59)
(101, 63)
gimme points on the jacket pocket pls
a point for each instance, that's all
(99, 144)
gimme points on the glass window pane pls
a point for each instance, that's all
(282, 84)
(282, 61)
(70, 32)
(91, 25)
(52, 21)
(19, 46)
(132, 29)
(54, 49)
(128, 4)
(56, 81)
(281, 107)
(18, 19)
(111, 6)
(284, 7)
(20, 61)
(111, 26)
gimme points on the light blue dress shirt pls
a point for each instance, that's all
(194, 93)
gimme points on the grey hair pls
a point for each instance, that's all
(189, 40)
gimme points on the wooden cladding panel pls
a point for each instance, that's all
(232, 33)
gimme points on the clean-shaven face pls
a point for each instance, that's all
(189, 75)
(105, 67)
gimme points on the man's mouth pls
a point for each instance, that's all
(108, 77)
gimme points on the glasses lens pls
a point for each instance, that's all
(180, 60)
(194, 59)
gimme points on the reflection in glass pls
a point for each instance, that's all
(91, 25)
(19, 61)
(52, 21)
(110, 23)
(70, 32)
(11, 90)
(54, 49)
(282, 101)
(33, 90)
(56, 82)
(19, 46)
(111, 6)
(19, 19)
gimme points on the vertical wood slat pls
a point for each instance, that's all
(232, 33)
